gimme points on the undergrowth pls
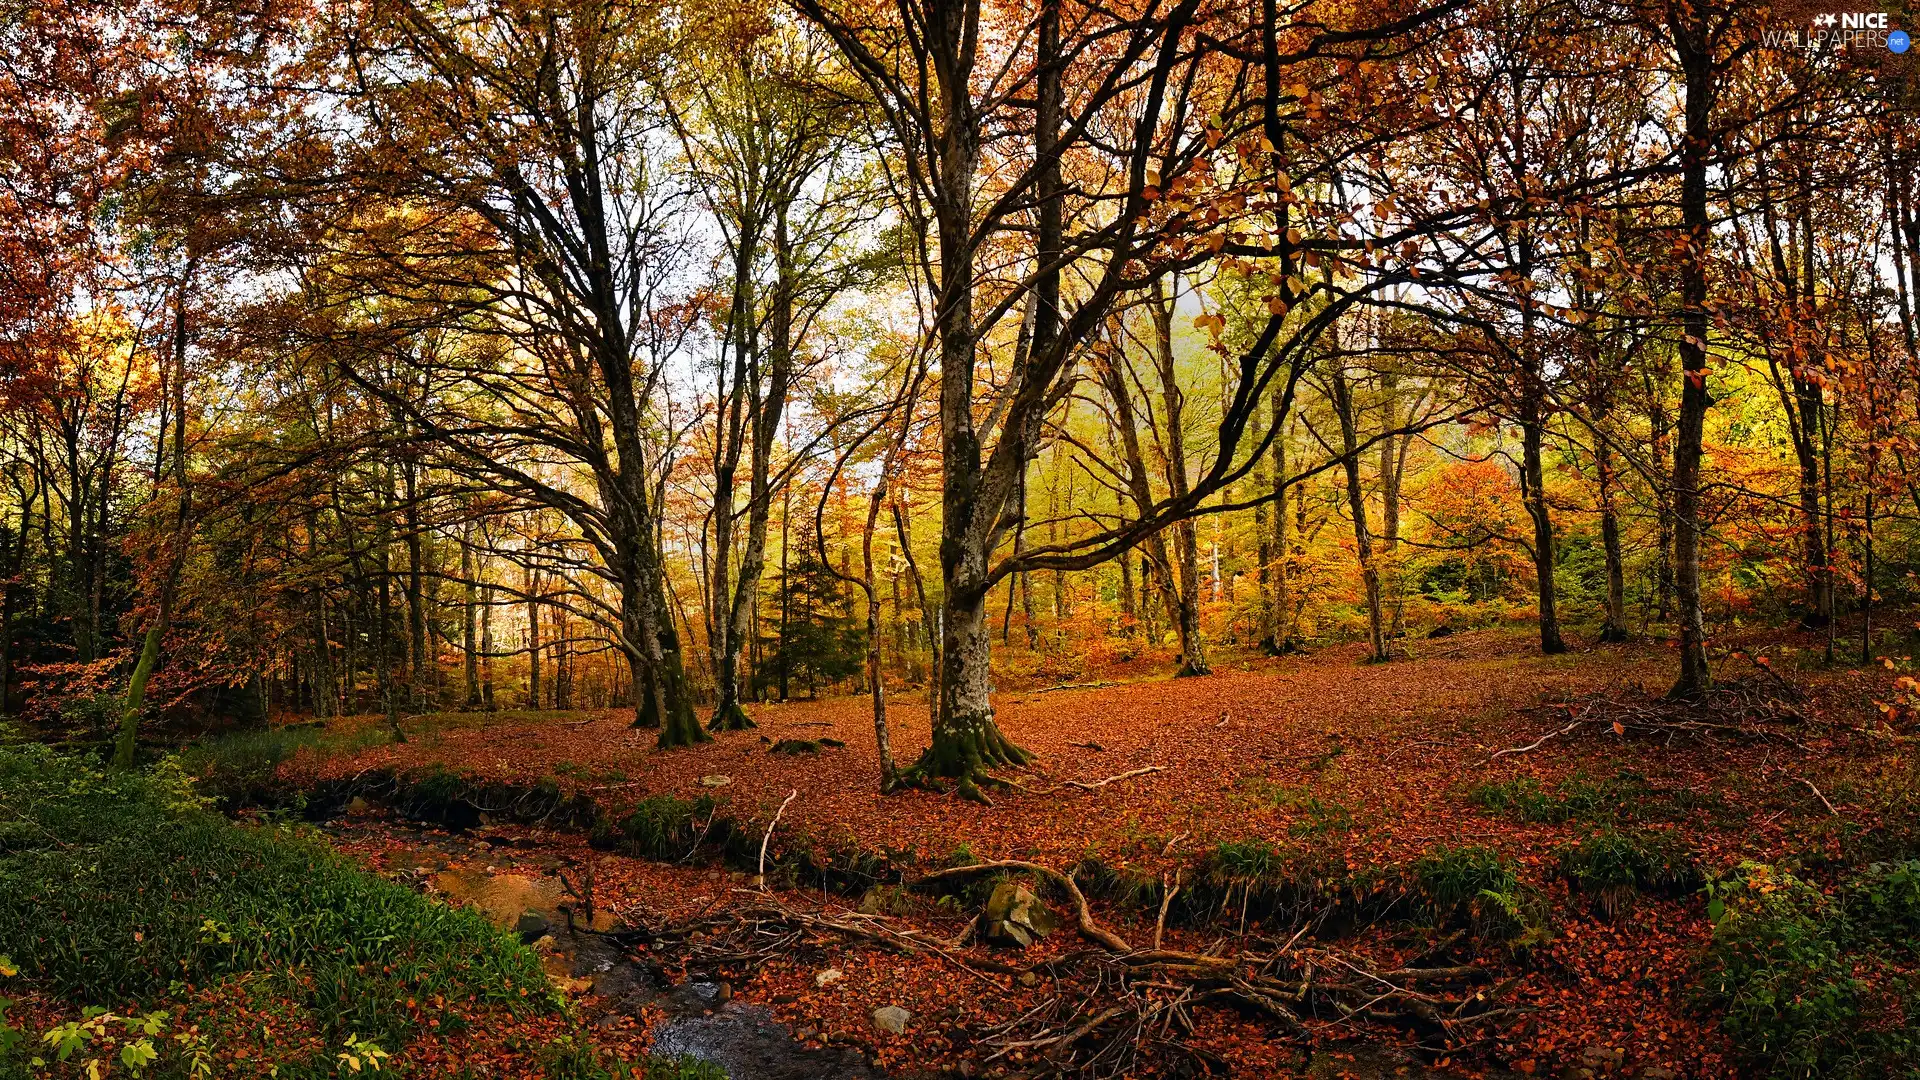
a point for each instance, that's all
(1614, 864)
(1813, 984)
(1626, 796)
(124, 892)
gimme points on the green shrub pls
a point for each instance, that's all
(1812, 985)
(121, 887)
(1471, 885)
(1613, 864)
(659, 827)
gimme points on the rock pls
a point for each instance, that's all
(1600, 1056)
(716, 780)
(1015, 917)
(827, 977)
(891, 1019)
(532, 926)
(1443, 630)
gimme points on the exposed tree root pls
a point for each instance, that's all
(1085, 786)
(731, 717)
(1118, 1011)
(963, 752)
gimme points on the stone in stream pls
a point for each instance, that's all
(532, 926)
(891, 1019)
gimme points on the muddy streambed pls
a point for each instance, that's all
(524, 884)
(522, 889)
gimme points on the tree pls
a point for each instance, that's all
(525, 139)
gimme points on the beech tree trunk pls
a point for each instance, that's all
(1186, 541)
(1357, 507)
(1691, 41)
(1533, 494)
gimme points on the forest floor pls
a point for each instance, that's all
(1345, 772)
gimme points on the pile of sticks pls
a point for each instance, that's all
(1747, 709)
(1112, 1010)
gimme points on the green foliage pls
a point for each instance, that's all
(1614, 863)
(1243, 862)
(659, 827)
(1816, 985)
(819, 642)
(117, 887)
(1471, 885)
(1624, 796)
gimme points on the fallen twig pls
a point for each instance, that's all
(1085, 786)
(760, 874)
(1535, 744)
(1082, 915)
(1817, 795)
(1073, 686)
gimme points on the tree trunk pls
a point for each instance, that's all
(966, 741)
(486, 647)
(1533, 494)
(533, 638)
(1690, 36)
(1615, 627)
(1186, 541)
(1357, 506)
(468, 638)
(662, 696)
(136, 698)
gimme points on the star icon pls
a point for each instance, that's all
(1825, 19)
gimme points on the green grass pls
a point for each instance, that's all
(1473, 886)
(1624, 796)
(1312, 815)
(123, 891)
(1612, 864)
(660, 827)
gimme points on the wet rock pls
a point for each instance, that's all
(891, 1019)
(1015, 916)
(532, 926)
(827, 977)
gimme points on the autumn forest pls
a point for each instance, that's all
(958, 538)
